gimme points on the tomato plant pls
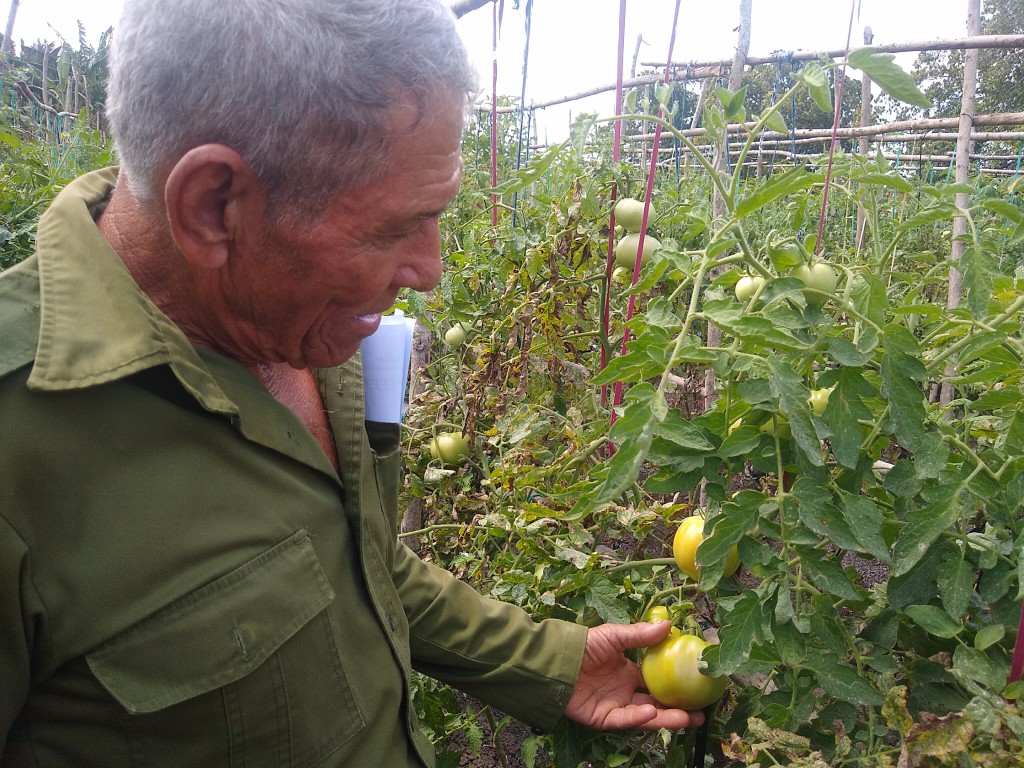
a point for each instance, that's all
(672, 673)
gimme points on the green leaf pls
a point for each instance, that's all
(979, 269)
(774, 121)
(923, 528)
(865, 521)
(828, 575)
(841, 681)
(902, 374)
(956, 585)
(580, 130)
(739, 627)
(889, 76)
(538, 167)
(813, 76)
(779, 186)
(603, 596)
(1004, 208)
(973, 664)
(683, 433)
(933, 620)
(989, 636)
(788, 386)
(891, 180)
(844, 411)
(818, 514)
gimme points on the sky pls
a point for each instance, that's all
(573, 43)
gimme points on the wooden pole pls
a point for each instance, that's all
(713, 69)
(963, 169)
(863, 143)
(719, 211)
(8, 46)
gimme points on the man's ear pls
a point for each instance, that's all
(212, 198)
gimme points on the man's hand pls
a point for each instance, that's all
(608, 693)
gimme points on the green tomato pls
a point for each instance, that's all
(747, 286)
(818, 276)
(455, 335)
(450, 448)
(627, 247)
(629, 212)
(819, 399)
(688, 537)
(672, 675)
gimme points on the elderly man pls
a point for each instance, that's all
(198, 559)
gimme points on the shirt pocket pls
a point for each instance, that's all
(246, 667)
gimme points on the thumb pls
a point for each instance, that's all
(640, 635)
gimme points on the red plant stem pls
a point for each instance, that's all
(606, 316)
(647, 204)
(1017, 666)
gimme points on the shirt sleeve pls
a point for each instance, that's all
(17, 628)
(491, 650)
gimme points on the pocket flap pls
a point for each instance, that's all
(217, 634)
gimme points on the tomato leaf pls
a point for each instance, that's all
(979, 269)
(933, 620)
(828, 575)
(774, 121)
(740, 626)
(956, 584)
(788, 386)
(842, 682)
(819, 514)
(603, 596)
(890, 180)
(844, 411)
(865, 521)
(779, 186)
(526, 176)
(924, 526)
(974, 665)
(889, 76)
(813, 76)
(902, 374)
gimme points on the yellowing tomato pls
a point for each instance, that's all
(656, 613)
(672, 675)
(688, 537)
(819, 399)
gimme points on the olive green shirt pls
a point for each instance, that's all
(185, 579)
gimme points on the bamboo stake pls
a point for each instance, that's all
(863, 142)
(963, 169)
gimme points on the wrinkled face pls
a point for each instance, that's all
(313, 291)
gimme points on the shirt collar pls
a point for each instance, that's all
(96, 325)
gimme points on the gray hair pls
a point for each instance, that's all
(299, 88)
